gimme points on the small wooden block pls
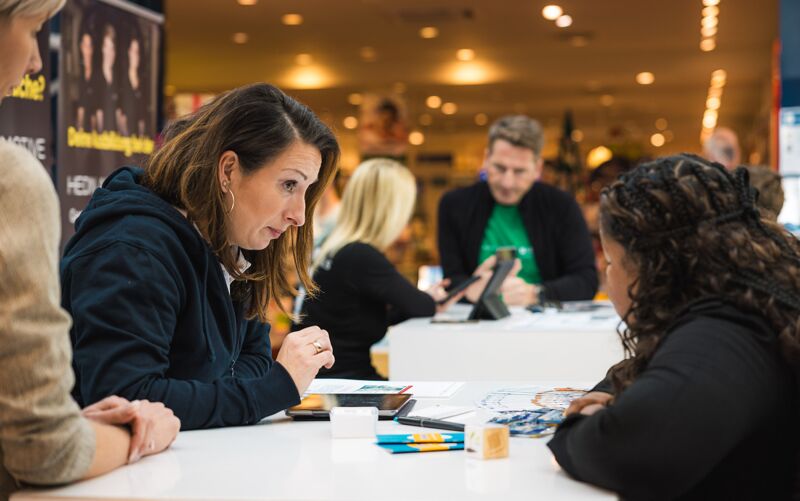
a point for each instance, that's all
(486, 441)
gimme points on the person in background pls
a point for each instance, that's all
(361, 292)
(108, 111)
(44, 439)
(722, 146)
(770, 190)
(705, 404)
(511, 208)
(86, 101)
(186, 254)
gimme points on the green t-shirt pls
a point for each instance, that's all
(505, 229)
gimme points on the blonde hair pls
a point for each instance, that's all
(13, 8)
(377, 204)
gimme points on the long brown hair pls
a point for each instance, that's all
(691, 230)
(257, 122)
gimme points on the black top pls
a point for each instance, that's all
(153, 317)
(556, 228)
(713, 416)
(361, 295)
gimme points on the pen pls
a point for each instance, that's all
(430, 423)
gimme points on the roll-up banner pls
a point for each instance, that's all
(107, 111)
(26, 116)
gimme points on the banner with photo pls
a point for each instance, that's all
(107, 111)
(26, 116)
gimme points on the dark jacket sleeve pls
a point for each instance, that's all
(577, 276)
(704, 391)
(254, 360)
(125, 303)
(451, 249)
(376, 277)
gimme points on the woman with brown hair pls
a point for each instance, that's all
(171, 269)
(705, 404)
(45, 439)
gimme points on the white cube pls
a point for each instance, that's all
(354, 422)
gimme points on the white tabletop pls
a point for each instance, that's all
(281, 459)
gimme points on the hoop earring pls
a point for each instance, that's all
(227, 184)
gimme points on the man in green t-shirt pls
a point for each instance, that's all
(543, 223)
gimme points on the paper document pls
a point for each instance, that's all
(420, 389)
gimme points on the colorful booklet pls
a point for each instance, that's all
(421, 438)
(532, 423)
(404, 448)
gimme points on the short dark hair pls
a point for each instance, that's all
(518, 130)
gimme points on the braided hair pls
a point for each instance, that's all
(692, 230)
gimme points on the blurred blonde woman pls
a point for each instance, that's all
(360, 292)
(45, 439)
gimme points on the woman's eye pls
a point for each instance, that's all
(290, 186)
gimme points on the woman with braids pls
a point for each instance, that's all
(705, 404)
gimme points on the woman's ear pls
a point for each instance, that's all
(228, 162)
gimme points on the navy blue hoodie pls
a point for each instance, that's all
(153, 318)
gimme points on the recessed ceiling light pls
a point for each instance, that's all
(433, 102)
(709, 3)
(449, 108)
(713, 103)
(481, 119)
(416, 138)
(350, 122)
(465, 54)
(710, 119)
(645, 78)
(657, 139)
(429, 32)
(368, 54)
(247, 2)
(606, 99)
(303, 59)
(709, 21)
(552, 12)
(710, 11)
(240, 38)
(576, 135)
(355, 99)
(661, 123)
(564, 21)
(708, 32)
(708, 44)
(426, 119)
(292, 19)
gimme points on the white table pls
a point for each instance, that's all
(525, 347)
(281, 459)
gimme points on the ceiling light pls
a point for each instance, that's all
(710, 11)
(708, 32)
(552, 12)
(606, 99)
(240, 38)
(368, 54)
(718, 78)
(708, 44)
(710, 119)
(303, 59)
(661, 123)
(429, 32)
(564, 21)
(433, 102)
(710, 3)
(426, 119)
(247, 2)
(481, 119)
(292, 19)
(449, 108)
(350, 122)
(709, 21)
(657, 139)
(355, 99)
(645, 78)
(576, 135)
(713, 103)
(416, 138)
(465, 54)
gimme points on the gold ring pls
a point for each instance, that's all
(318, 347)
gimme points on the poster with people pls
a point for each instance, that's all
(107, 111)
(25, 119)
(383, 129)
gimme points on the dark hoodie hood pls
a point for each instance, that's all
(122, 195)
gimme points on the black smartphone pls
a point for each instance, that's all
(458, 288)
